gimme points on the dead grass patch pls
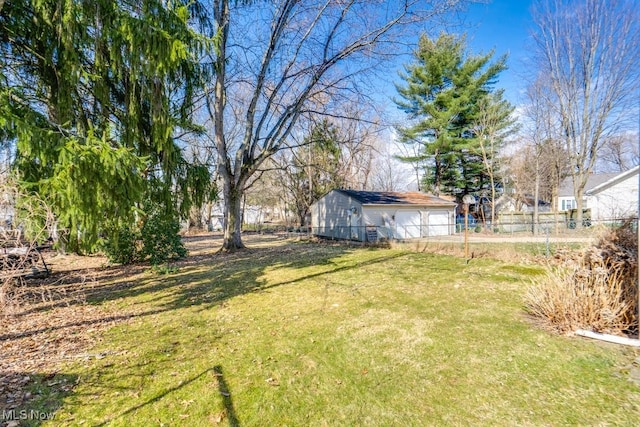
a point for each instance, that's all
(592, 289)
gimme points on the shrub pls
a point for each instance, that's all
(157, 241)
(160, 238)
(595, 290)
(573, 298)
(123, 245)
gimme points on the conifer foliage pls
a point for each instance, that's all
(92, 96)
(442, 94)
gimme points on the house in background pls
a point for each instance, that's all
(508, 203)
(608, 195)
(369, 215)
(615, 198)
(566, 200)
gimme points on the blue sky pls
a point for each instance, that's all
(503, 25)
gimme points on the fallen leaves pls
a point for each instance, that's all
(50, 324)
(218, 418)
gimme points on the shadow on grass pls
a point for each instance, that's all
(204, 282)
(227, 401)
(209, 281)
(225, 393)
(199, 281)
(30, 399)
(158, 396)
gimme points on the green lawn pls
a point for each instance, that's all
(300, 334)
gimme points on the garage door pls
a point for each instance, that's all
(408, 224)
(438, 224)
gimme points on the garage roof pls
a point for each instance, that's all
(394, 198)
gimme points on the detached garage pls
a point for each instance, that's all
(370, 215)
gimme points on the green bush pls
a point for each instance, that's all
(123, 245)
(157, 241)
(160, 238)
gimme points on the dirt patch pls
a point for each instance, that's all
(45, 323)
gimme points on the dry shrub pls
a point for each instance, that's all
(595, 289)
(573, 298)
(33, 221)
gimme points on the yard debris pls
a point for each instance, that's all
(273, 382)
(49, 323)
(218, 418)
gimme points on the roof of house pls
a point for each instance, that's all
(527, 200)
(612, 181)
(594, 180)
(395, 198)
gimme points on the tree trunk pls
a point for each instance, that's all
(493, 205)
(579, 207)
(554, 198)
(233, 224)
(536, 196)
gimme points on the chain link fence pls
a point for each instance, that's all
(507, 227)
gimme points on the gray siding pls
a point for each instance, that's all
(330, 217)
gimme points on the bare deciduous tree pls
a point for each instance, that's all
(619, 153)
(339, 153)
(588, 51)
(494, 123)
(289, 56)
(542, 131)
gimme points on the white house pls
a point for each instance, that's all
(615, 198)
(567, 201)
(608, 196)
(507, 203)
(369, 215)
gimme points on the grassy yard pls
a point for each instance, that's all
(301, 334)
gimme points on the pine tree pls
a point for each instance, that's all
(441, 94)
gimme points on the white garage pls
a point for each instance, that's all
(371, 215)
(408, 224)
(438, 224)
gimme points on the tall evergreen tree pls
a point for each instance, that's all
(441, 94)
(92, 95)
